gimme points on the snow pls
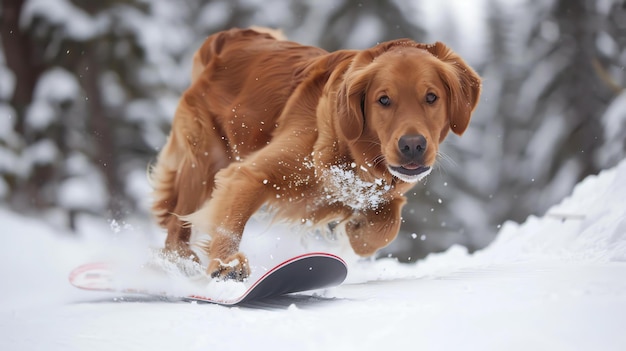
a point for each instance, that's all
(113, 92)
(308, 30)
(273, 13)
(55, 86)
(450, 21)
(139, 189)
(84, 187)
(7, 123)
(76, 23)
(40, 115)
(162, 35)
(551, 283)
(213, 15)
(614, 122)
(367, 28)
(346, 187)
(7, 82)
(58, 85)
(606, 45)
(41, 152)
(82, 192)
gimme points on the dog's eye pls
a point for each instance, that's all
(431, 98)
(384, 100)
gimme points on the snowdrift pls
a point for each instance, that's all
(589, 225)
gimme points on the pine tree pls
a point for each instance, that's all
(81, 70)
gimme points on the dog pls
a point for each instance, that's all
(318, 137)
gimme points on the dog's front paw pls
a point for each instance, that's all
(176, 261)
(235, 267)
(175, 254)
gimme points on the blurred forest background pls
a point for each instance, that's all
(88, 90)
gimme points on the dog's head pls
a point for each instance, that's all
(404, 97)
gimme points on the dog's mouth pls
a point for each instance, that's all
(410, 172)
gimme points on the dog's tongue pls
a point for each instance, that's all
(411, 166)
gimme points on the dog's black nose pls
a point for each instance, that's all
(412, 146)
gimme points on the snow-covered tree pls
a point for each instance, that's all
(89, 88)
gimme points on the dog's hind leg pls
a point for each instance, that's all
(183, 176)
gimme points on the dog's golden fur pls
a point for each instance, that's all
(269, 121)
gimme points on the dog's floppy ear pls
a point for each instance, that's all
(211, 47)
(351, 101)
(462, 82)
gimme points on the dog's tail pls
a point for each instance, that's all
(203, 55)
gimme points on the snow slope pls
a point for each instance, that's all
(552, 283)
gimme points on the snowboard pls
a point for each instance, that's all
(305, 272)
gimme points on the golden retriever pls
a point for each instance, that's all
(316, 136)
